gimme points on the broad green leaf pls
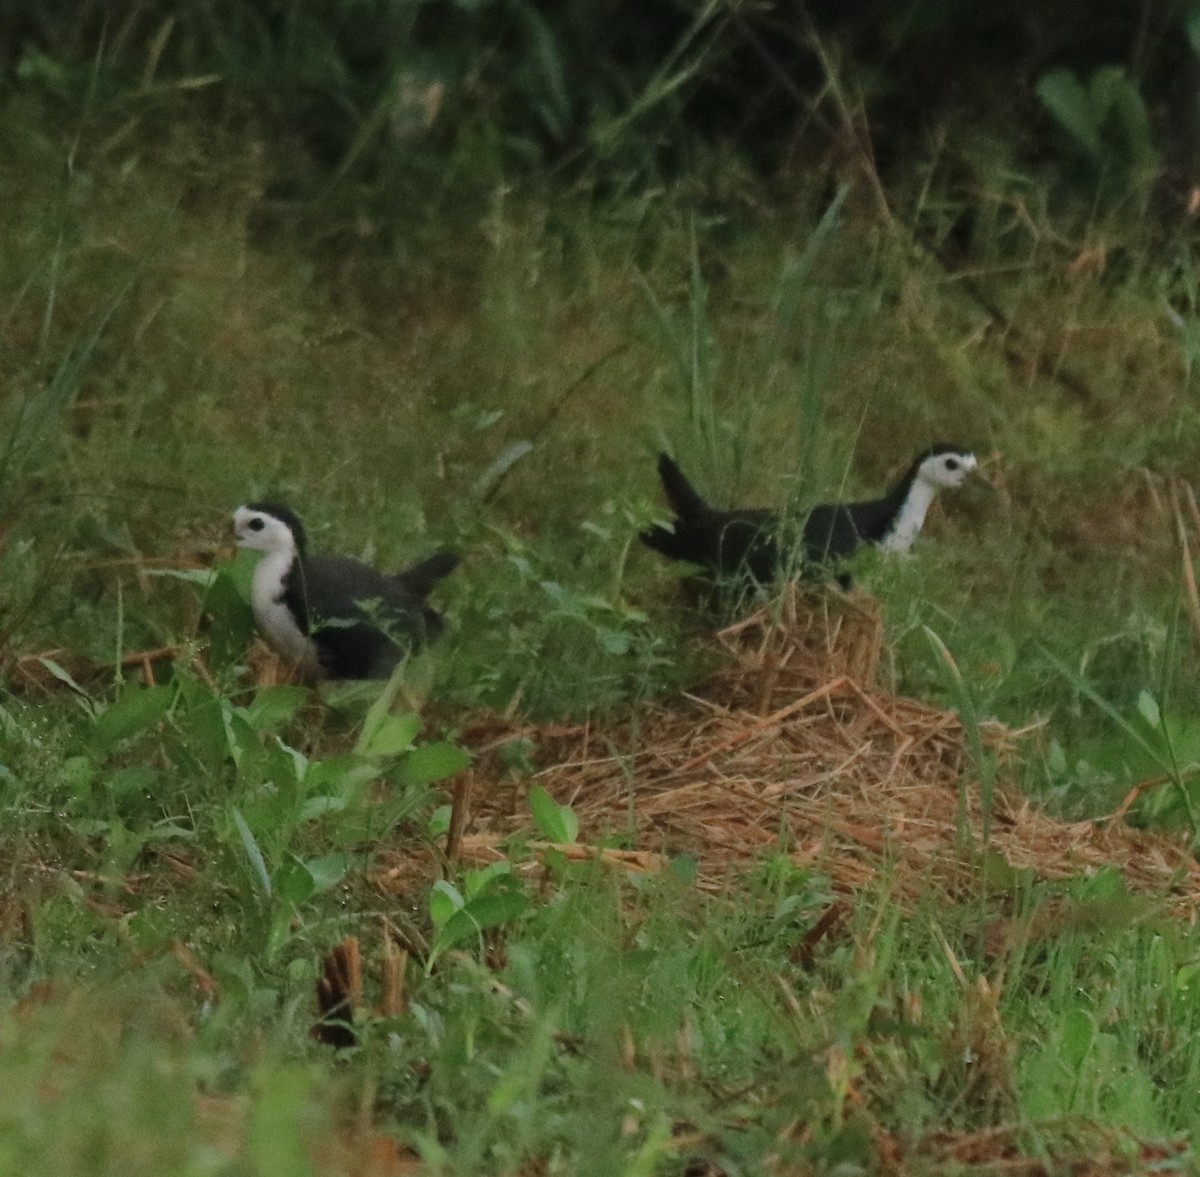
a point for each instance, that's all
(438, 825)
(478, 881)
(135, 710)
(429, 764)
(294, 758)
(570, 823)
(323, 806)
(350, 697)
(379, 711)
(370, 821)
(201, 720)
(1104, 91)
(293, 880)
(487, 911)
(272, 707)
(1068, 100)
(685, 868)
(89, 827)
(1104, 886)
(391, 737)
(166, 830)
(1078, 1034)
(444, 900)
(1001, 874)
(558, 823)
(327, 870)
(79, 773)
(343, 775)
(614, 641)
(241, 739)
(1136, 131)
(1187, 983)
(123, 782)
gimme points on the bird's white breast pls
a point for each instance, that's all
(274, 618)
(910, 518)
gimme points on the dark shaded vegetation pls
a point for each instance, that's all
(635, 88)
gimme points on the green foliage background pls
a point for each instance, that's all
(450, 274)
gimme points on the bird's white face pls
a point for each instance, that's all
(947, 471)
(262, 532)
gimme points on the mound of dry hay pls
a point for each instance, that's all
(795, 745)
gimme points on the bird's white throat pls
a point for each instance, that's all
(910, 518)
(274, 618)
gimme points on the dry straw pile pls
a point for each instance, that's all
(795, 745)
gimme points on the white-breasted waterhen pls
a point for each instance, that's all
(752, 540)
(333, 616)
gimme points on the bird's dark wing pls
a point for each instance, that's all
(830, 533)
(362, 621)
(833, 531)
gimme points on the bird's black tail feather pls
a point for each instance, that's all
(424, 574)
(681, 494)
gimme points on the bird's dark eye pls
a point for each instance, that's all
(256, 524)
(952, 463)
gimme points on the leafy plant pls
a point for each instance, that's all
(288, 797)
(1106, 121)
(1147, 745)
(491, 898)
(557, 822)
(535, 633)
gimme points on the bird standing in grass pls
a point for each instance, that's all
(332, 616)
(752, 540)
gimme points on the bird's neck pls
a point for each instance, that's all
(270, 576)
(909, 518)
(285, 632)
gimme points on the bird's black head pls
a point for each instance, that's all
(942, 466)
(245, 519)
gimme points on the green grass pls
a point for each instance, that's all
(502, 388)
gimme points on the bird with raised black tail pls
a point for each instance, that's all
(753, 541)
(333, 616)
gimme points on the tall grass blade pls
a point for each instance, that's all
(690, 348)
(40, 413)
(699, 357)
(1191, 595)
(674, 73)
(257, 863)
(794, 280)
(985, 766)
